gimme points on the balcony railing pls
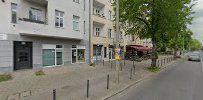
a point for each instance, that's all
(31, 20)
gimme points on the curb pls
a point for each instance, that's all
(123, 89)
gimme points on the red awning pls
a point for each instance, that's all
(141, 48)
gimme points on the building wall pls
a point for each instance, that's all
(41, 34)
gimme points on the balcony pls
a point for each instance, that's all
(42, 2)
(31, 27)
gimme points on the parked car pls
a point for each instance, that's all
(195, 56)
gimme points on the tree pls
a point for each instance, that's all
(154, 18)
(195, 45)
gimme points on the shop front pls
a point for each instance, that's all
(52, 55)
(78, 54)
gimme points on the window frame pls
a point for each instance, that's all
(59, 16)
(38, 13)
(97, 31)
(15, 11)
(76, 21)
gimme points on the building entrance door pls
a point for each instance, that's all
(74, 55)
(22, 55)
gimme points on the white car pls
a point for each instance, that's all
(195, 56)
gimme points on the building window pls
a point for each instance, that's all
(13, 13)
(97, 32)
(76, 23)
(109, 17)
(76, 1)
(59, 19)
(110, 33)
(35, 14)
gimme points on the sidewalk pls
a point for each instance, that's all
(70, 82)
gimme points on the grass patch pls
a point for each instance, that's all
(40, 73)
(153, 69)
(5, 77)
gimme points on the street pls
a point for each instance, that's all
(182, 81)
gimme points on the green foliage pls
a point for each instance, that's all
(5, 77)
(39, 73)
(195, 45)
(153, 69)
(164, 21)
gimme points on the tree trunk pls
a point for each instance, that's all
(154, 53)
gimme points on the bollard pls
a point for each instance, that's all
(161, 62)
(131, 72)
(111, 65)
(133, 62)
(107, 81)
(54, 94)
(103, 62)
(88, 83)
(124, 61)
(121, 66)
(157, 63)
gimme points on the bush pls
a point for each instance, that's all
(92, 64)
(153, 69)
(40, 73)
(5, 77)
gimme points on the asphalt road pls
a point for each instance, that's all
(182, 81)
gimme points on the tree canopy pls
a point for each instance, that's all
(164, 21)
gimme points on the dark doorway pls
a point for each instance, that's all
(74, 54)
(22, 55)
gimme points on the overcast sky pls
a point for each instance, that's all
(197, 26)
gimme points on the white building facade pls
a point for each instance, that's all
(43, 33)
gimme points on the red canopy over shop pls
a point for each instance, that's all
(140, 48)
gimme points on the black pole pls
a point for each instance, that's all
(54, 94)
(121, 65)
(107, 81)
(103, 62)
(157, 63)
(88, 83)
(111, 64)
(124, 58)
(131, 72)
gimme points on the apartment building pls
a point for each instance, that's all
(43, 33)
(102, 30)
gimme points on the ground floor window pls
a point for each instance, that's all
(81, 55)
(78, 54)
(97, 52)
(52, 55)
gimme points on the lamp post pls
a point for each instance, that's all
(117, 39)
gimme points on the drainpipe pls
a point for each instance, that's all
(90, 32)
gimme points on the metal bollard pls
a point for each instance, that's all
(107, 81)
(157, 63)
(88, 83)
(111, 65)
(121, 66)
(124, 61)
(131, 72)
(103, 62)
(54, 94)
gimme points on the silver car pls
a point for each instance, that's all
(194, 57)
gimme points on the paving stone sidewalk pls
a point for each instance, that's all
(70, 82)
